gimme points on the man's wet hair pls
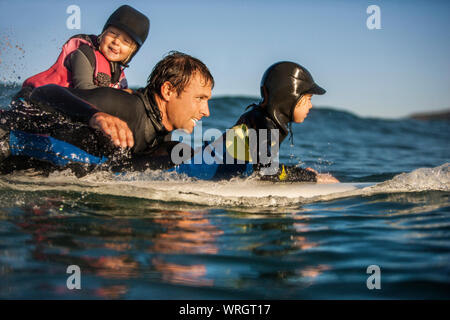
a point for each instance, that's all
(177, 68)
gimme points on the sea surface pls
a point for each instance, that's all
(133, 240)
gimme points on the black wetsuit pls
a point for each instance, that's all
(257, 118)
(138, 110)
(64, 114)
(60, 113)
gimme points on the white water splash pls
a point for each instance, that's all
(172, 188)
(422, 179)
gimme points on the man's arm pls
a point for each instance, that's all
(62, 100)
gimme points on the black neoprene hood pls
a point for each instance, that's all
(282, 86)
(133, 22)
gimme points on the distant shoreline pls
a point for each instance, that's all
(435, 115)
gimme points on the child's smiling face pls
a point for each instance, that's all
(116, 45)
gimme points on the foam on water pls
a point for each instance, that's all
(422, 179)
(172, 188)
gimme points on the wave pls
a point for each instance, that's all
(170, 188)
(423, 179)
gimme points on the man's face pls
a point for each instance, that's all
(302, 108)
(184, 110)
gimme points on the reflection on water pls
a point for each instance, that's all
(182, 274)
(125, 248)
(185, 233)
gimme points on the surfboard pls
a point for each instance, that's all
(176, 190)
(256, 188)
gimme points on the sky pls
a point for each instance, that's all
(391, 72)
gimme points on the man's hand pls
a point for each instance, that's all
(113, 127)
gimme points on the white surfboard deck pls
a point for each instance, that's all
(259, 189)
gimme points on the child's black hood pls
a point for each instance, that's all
(133, 22)
(282, 86)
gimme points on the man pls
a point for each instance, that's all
(176, 97)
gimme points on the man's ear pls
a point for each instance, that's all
(167, 91)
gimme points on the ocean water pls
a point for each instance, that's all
(133, 239)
